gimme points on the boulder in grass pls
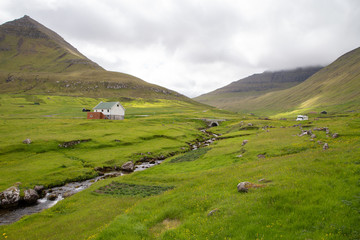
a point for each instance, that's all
(244, 142)
(27, 141)
(245, 186)
(326, 146)
(335, 135)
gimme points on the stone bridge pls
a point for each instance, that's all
(213, 122)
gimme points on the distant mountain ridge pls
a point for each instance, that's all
(234, 95)
(335, 87)
(36, 60)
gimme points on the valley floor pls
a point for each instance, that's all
(301, 191)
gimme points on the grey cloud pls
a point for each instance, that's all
(198, 34)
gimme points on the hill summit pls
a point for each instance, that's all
(37, 60)
(27, 45)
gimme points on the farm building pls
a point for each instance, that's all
(107, 110)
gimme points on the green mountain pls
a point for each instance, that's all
(236, 95)
(36, 60)
(335, 88)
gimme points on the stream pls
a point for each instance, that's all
(8, 216)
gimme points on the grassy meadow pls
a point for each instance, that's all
(306, 192)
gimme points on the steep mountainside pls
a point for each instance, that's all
(26, 45)
(235, 95)
(335, 87)
(36, 60)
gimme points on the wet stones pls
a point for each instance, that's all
(39, 189)
(10, 197)
(128, 166)
(31, 196)
(52, 197)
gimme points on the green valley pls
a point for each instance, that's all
(302, 190)
(251, 174)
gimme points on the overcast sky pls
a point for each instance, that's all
(196, 46)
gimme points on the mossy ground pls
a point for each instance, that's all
(311, 193)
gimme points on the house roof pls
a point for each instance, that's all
(105, 105)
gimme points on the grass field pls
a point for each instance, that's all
(308, 192)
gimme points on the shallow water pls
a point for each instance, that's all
(10, 216)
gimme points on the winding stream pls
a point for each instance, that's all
(8, 216)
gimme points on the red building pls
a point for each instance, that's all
(95, 115)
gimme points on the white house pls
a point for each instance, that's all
(112, 110)
(302, 118)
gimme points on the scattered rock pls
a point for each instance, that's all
(239, 156)
(244, 142)
(326, 146)
(52, 197)
(68, 194)
(10, 197)
(263, 180)
(243, 186)
(212, 212)
(320, 142)
(261, 156)
(313, 136)
(73, 143)
(250, 124)
(335, 135)
(31, 196)
(27, 141)
(39, 189)
(128, 166)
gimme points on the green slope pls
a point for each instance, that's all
(309, 193)
(235, 95)
(36, 60)
(335, 87)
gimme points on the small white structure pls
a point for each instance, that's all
(302, 118)
(112, 110)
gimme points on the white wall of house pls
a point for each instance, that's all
(116, 110)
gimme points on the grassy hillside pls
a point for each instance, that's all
(308, 192)
(235, 95)
(28, 46)
(333, 88)
(36, 60)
